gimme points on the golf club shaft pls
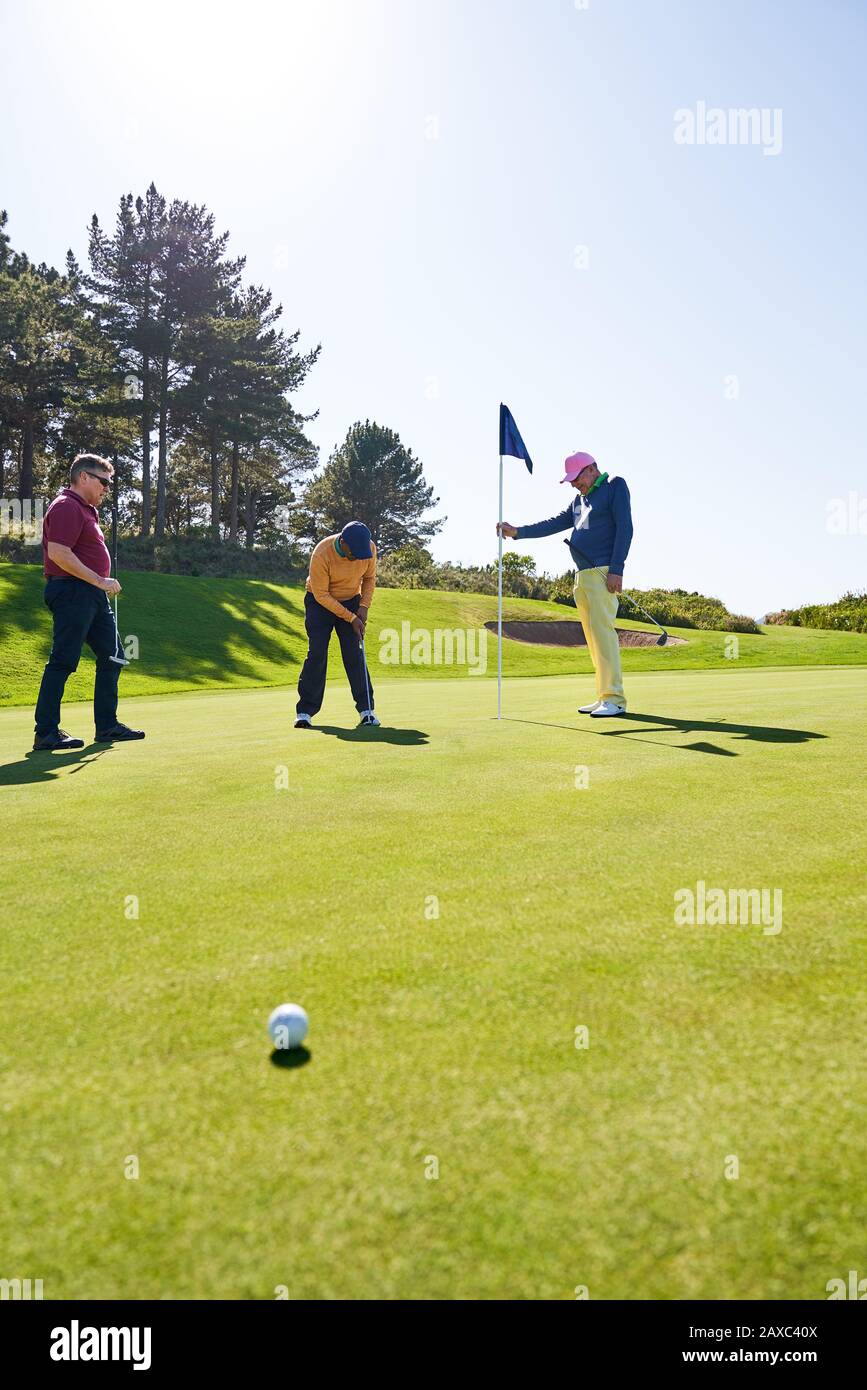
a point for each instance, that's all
(366, 678)
(656, 623)
(119, 653)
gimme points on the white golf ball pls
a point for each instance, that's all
(288, 1026)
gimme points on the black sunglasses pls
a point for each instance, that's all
(100, 478)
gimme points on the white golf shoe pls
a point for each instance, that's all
(302, 721)
(369, 719)
(588, 709)
(606, 709)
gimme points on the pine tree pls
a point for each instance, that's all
(242, 370)
(371, 477)
(102, 414)
(48, 347)
(123, 278)
(193, 283)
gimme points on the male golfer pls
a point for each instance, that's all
(600, 517)
(339, 591)
(77, 568)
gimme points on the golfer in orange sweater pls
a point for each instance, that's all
(339, 591)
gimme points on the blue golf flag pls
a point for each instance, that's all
(511, 442)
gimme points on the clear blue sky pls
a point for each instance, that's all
(412, 177)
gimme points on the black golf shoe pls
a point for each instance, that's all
(47, 743)
(118, 734)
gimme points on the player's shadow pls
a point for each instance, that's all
(412, 738)
(290, 1057)
(662, 724)
(757, 733)
(37, 767)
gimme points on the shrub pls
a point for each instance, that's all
(185, 555)
(678, 608)
(414, 568)
(848, 614)
(14, 549)
(202, 555)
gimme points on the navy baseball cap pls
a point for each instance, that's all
(357, 537)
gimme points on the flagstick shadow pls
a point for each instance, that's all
(541, 724)
(580, 729)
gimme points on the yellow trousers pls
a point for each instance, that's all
(597, 610)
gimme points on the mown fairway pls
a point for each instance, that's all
(450, 1037)
(197, 634)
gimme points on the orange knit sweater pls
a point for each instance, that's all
(332, 577)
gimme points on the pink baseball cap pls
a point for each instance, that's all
(575, 464)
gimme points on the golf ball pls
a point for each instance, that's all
(288, 1026)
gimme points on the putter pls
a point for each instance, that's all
(119, 657)
(660, 641)
(366, 679)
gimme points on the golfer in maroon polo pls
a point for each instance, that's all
(77, 569)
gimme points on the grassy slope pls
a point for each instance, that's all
(201, 633)
(449, 1037)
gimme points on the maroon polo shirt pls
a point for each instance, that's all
(72, 521)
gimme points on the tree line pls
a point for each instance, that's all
(157, 356)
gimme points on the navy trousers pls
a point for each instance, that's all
(81, 613)
(320, 623)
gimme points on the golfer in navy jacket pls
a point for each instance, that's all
(600, 520)
(77, 569)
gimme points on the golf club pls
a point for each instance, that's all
(660, 641)
(366, 679)
(119, 657)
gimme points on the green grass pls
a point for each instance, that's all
(217, 633)
(450, 1037)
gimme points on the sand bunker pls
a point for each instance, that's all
(571, 634)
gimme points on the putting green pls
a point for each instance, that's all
(450, 907)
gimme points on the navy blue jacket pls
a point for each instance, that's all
(601, 526)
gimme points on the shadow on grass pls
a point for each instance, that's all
(290, 1057)
(197, 630)
(411, 738)
(45, 766)
(212, 629)
(27, 584)
(756, 733)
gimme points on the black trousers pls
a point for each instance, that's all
(320, 623)
(81, 613)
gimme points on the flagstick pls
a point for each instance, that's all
(500, 605)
